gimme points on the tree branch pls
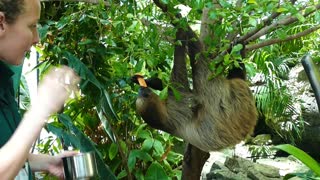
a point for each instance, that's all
(87, 1)
(278, 40)
(266, 21)
(286, 21)
(162, 6)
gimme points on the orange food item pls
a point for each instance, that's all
(142, 82)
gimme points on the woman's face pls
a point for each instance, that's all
(17, 38)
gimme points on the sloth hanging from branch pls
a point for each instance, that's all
(214, 114)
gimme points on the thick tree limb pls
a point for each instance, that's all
(193, 161)
(193, 41)
(278, 40)
(208, 24)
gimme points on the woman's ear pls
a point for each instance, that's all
(2, 23)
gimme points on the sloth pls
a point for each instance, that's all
(213, 115)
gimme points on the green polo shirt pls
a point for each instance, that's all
(9, 112)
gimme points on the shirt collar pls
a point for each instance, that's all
(5, 72)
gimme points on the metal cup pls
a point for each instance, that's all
(81, 166)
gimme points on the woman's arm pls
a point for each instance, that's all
(14, 153)
(52, 93)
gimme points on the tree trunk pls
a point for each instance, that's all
(193, 162)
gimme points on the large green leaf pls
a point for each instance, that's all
(81, 69)
(106, 106)
(73, 136)
(302, 156)
(140, 154)
(155, 171)
(106, 124)
(105, 102)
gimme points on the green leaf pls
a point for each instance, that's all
(144, 134)
(176, 93)
(140, 66)
(213, 15)
(174, 157)
(300, 17)
(226, 59)
(252, 2)
(134, 26)
(252, 21)
(43, 30)
(165, 1)
(282, 34)
(237, 48)
(155, 171)
(236, 64)
(147, 144)
(143, 155)
(282, 9)
(317, 16)
(302, 156)
(134, 154)
(164, 93)
(106, 125)
(129, 16)
(139, 174)
(105, 105)
(131, 160)
(113, 150)
(123, 146)
(158, 147)
(81, 69)
(122, 174)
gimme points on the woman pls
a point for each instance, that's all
(18, 32)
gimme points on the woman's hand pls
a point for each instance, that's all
(54, 90)
(50, 164)
(55, 166)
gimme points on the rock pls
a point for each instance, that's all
(266, 170)
(233, 164)
(256, 175)
(241, 168)
(225, 174)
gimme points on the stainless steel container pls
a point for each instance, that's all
(81, 166)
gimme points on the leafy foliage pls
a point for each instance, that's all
(105, 56)
(273, 98)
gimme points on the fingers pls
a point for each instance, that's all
(68, 153)
(66, 78)
(55, 89)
